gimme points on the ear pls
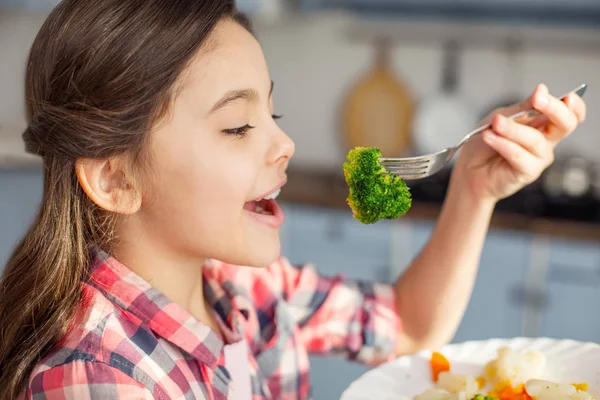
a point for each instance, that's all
(105, 182)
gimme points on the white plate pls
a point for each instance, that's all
(568, 361)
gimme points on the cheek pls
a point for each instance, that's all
(199, 198)
(212, 188)
(196, 198)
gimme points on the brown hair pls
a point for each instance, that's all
(100, 74)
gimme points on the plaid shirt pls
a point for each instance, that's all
(131, 342)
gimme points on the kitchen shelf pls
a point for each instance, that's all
(328, 189)
(472, 34)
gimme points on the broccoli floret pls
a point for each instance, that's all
(482, 397)
(374, 194)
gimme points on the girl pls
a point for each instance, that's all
(162, 158)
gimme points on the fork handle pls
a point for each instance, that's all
(529, 113)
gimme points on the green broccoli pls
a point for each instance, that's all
(374, 194)
(482, 397)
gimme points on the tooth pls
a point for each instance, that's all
(273, 195)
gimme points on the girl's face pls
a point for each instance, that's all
(218, 152)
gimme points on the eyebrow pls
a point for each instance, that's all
(250, 95)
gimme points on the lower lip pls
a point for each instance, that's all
(272, 221)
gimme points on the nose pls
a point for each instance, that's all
(282, 147)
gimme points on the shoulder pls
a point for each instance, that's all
(97, 350)
(80, 379)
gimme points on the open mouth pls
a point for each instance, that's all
(265, 206)
(266, 210)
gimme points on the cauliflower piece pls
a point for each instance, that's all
(513, 368)
(441, 394)
(545, 390)
(456, 383)
(434, 394)
(581, 395)
(541, 389)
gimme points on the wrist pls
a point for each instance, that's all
(462, 190)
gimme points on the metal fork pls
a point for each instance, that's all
(424, 166)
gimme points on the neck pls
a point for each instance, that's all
(177, 277)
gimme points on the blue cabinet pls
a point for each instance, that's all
(572, 290)
(337, 243)
(491, 312)
(571, 312)
(20, 197)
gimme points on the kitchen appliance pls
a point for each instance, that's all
(442, 119)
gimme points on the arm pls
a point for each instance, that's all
(434, 291)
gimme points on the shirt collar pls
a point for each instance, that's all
(166, 318)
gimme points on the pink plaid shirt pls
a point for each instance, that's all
(131, 342)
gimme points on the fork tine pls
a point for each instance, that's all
(405, 162)
(409, 176)
(418, 158)
(407, 169)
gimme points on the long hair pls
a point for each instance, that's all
(100, 74)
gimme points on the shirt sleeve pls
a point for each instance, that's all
(85, 380)
(336, 315)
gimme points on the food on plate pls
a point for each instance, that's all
(545, 390)
(514, 368)
(439, 364)
(374, 193)
(512, 375)
(457, 383)
(440, 394)
(451, 386)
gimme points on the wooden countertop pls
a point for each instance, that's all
(328, 189)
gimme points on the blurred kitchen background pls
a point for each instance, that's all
(411, 77)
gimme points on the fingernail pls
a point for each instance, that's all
(489, 136)
(569, 101)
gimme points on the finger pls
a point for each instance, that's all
(577, 105)
(526, 166)
(562, 120)
(509, 110)
(525, 136)
(539, 121)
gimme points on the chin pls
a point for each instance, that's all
(259, 255)
(264, 258)
(262, 253)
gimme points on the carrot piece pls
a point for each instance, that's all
(439, 364)
(510, 393)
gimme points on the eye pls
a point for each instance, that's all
(277, 116)
(241, 131)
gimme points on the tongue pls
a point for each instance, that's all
(259, 207)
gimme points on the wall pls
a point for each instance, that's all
(313, 63)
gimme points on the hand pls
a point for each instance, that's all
(510, 155)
